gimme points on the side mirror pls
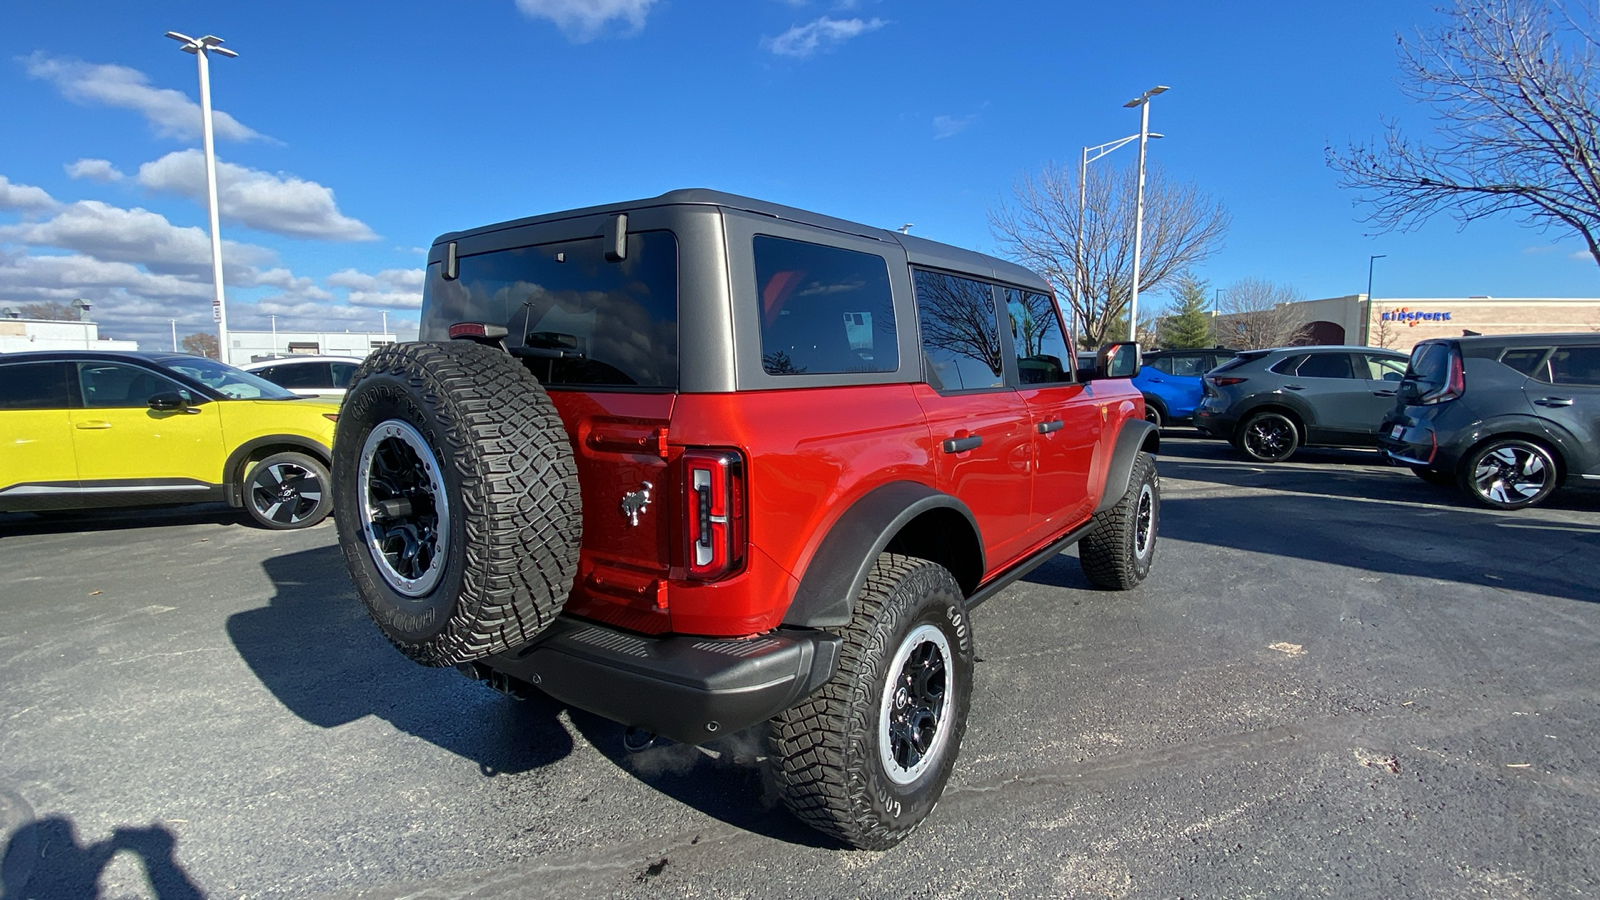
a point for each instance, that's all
(168, 401)
(1119, 360)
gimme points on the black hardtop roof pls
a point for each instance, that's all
(148, 356)
(920, 251)
(1543, 339)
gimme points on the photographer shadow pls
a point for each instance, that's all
(43, 858)
(314, 647)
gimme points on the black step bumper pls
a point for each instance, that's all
(690, 689)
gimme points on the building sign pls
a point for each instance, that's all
(1413, 317)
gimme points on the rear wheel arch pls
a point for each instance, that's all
(903, 517)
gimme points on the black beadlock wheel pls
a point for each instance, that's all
(1117, 554)
(287, 490)
(866, 757)
(1268, 437)
(457, 498)
(1509, 473)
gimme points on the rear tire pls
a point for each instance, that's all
(1117, 554)
(457, 498)
(866, 757)
(1509, 473)
(1268, 437)
(286, 491)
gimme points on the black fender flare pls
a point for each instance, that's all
(839, 568)
(234, 467)
(1136, 435)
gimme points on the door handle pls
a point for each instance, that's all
(94, 424)
(1051, 426)
(1383, 393)
(1553, 401)
(1293, 387)
(962, 445)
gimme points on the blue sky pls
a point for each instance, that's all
(358, 132)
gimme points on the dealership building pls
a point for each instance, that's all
(1399, 323)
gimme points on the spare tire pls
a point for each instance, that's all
(456, 498)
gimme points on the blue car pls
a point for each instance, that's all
(1170, 382)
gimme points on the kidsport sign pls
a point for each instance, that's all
(1413, 317)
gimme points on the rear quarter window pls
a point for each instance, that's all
(824, 310)
(38, 385)
(1527, 361)
(620, 318)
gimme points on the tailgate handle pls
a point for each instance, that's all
(1554, 401)
(962, 445)
(1051, 426)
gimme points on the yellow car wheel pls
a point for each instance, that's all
(287, 490)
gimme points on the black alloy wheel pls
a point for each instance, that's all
(1268, 437)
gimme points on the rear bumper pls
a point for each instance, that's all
(689, 689)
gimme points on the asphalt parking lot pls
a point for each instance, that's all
(1338, 681)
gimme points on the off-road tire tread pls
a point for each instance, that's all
(519, 498)
(1106, 552)
(809, 742)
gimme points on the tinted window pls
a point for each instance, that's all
(41, 385)
(298, 375)
(1384, 368)
(1526, 360)
(618, 320)
(1430, 363)
(960, 332)
(823, 310)
(1160, 364)
(342, 373)
(1575, 365)
(1326, 365)
(113, 385)
(1037, 338)
(1191, 366)
(1285, 366)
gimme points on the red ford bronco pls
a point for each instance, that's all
(700, 461)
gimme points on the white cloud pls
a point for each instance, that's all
(171, 113)
(24, 197)
(280, 204)
(802, 41)
(950, 126)
(100, 170)
(391, 288)
(584, 20)
(136, 236)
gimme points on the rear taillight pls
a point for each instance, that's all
(1455, 383)
(714, 512)
(1224, 381)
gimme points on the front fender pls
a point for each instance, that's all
(1136, 435)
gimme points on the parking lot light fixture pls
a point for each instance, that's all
(202, 48)
(1090, 154)
(1143, 102)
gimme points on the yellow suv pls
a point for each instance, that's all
(87, 429)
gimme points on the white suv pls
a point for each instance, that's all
(310, 376)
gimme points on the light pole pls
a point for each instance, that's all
(274, 335)
(202, 48)
(174, 334)
(1090, 154)
(1143, 102)
(386, 325)
(1366, 324)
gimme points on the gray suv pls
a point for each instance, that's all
(1270, 403)
(1507, 417)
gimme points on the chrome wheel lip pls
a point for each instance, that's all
(1511, 474)
(267, 502)
(894, 700)
(1144, 515)
(404, 433)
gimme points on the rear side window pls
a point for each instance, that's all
(618, 320)
(1285, 366)
(1526, 360)
(960, 332)
(824, 310)
(1191, 366)
(342, 373)
(39, 385)
(1326, 365)
(1575, 365)
(298, 375)
(1161, 364)
(1042, 355)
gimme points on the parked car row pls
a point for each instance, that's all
(1529, 423)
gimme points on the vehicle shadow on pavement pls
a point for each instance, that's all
(1520, 552)
(44, 858)
(727, 779)
(314, 647)
(70, 522)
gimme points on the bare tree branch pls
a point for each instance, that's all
(1513, 89)
(1040, 228)
(1257, 314)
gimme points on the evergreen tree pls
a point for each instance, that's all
(1188, 325)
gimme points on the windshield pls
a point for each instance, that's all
(226, 380)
